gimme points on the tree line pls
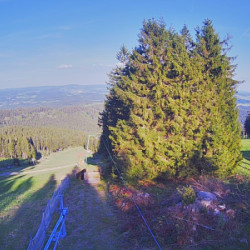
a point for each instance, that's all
(77, 117)
(27, 142)
(171, 108)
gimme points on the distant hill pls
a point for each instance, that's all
(76, 117)
(58, 97)
(74, 107)
(52, 96)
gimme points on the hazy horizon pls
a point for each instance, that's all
(100, 84)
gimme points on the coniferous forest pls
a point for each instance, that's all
(27, 142)
(28, 133)
(76, 117)
(171, 110)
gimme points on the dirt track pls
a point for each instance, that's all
(34, 171)
(91, 222)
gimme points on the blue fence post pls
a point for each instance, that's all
(56, 202)
(56, 235)
(64, 233)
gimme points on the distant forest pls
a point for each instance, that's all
(27, 133)
(78, 117)
(28, 142)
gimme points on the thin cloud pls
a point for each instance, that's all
(65, 66)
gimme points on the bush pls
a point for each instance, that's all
(188, 195)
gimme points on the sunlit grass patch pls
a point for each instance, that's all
(23, 197)
(244, 168)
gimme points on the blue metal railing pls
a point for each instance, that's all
(61, 233)
(55, 203)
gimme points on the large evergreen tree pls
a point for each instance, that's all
(171, 109)
(221, 141)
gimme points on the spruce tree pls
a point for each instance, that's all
(221, 141)
(11, 148)
(247, 125)
(170, 105)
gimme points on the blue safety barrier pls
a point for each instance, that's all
(55, 204)
(61, 233)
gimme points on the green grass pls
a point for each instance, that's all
(245, 145)
(6, 163)
(244, 168)
(23, 197)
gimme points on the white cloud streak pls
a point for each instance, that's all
(65, 66)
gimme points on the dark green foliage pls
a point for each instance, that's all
(247, 125)
(28, 131)
(222, 139)
(26, 142)
(188, 195)
(171, 109)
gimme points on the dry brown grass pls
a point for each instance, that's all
(176, 225)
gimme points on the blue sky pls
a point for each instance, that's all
(75, 42)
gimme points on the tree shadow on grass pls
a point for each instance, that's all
(92, 221)
(21, 222)
(10, 163)
(94, 160)
(10, 189)
(246, 154)
(14, 165)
